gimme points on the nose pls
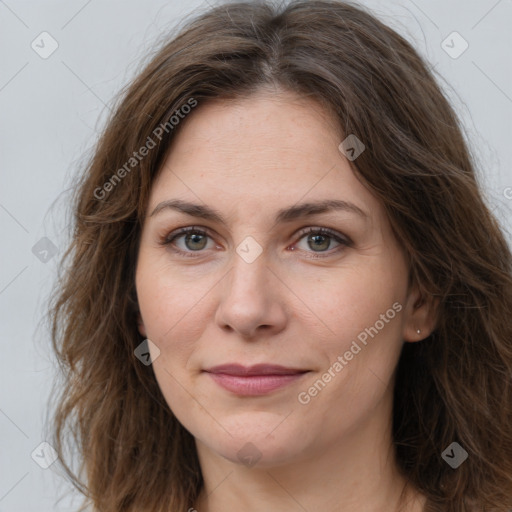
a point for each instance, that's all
(252, 300)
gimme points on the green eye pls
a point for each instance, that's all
(319, 240)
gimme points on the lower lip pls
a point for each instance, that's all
(253, 385)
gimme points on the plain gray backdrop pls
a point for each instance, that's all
(62, 62)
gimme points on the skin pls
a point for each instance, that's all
(247, 159)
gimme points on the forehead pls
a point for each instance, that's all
(268, 148)
(264, 123)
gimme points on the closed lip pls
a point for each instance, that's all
(257, 369)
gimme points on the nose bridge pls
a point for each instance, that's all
(248, 274)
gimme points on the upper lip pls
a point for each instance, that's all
(257, 369)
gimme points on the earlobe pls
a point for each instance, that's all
(420, 317)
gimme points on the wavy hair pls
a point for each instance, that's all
(454, 386)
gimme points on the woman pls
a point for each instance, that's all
(284, 290)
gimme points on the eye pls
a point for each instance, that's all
(193, 240)
(319, 240)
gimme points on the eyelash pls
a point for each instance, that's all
(343, 240)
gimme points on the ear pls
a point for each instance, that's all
(141, 326)
(420, 315)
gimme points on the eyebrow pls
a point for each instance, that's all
(284, 215)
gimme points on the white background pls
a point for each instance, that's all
(51, 111)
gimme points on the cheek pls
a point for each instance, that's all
(172, 311)
(355, 307)
(349, 300)
(170, 308)
(364, 330)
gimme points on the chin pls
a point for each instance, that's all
(259, 448)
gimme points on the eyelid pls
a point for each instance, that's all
(325, 231)
(187, 229)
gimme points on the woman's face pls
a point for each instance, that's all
(254, 287)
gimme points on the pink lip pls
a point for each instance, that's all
(254, 380)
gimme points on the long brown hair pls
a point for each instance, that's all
(455, 386)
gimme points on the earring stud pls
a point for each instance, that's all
(418, 331)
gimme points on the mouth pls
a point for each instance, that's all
(254, 380)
